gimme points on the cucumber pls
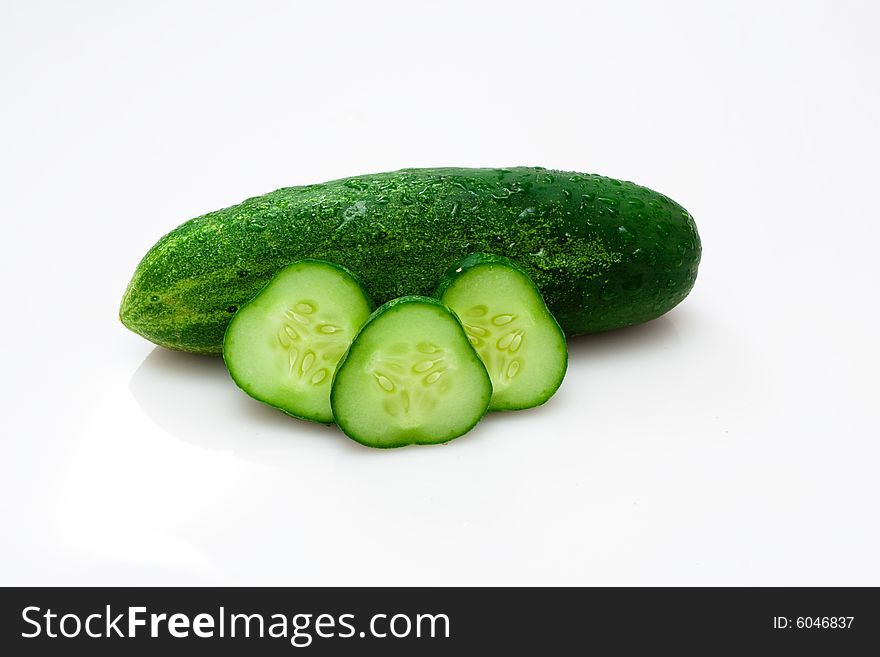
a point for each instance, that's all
(603, 252)
(283, 346)
(410, 377)
(507, 322)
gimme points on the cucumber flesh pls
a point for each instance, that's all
(283, 346)
(508, 323)
(410, 377)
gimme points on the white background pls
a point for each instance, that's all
(733, 441)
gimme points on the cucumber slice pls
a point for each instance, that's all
(410, 377)
(283, 346)
(506, 320)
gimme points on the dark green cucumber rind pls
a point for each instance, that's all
(231, 367)
(603, 252)
(484, 259)
(391, 306)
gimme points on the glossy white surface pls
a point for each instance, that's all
(733, 441)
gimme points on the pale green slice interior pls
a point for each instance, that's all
(507, 322)
(282, 348)
(410, 377)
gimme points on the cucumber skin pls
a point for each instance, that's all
(604, 253)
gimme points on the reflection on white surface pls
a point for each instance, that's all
(657, 335)
(194, 399)
(496, 500)
(644, 468)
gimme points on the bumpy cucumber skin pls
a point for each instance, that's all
(487, 259)
(391, 306)
(604, 253)
(230, 367)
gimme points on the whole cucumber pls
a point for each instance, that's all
(605, 253)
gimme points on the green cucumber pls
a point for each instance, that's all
(410, 377)
(283, 346)
(506, 320)
(603, 252)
